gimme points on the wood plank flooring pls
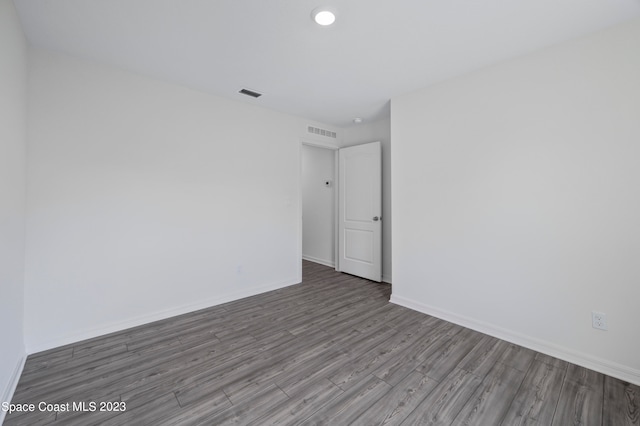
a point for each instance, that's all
(329, 351)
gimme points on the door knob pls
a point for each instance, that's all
(376, 218)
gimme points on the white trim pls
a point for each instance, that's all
(609, 368)
(7, 395)
(299, 216)
(320, 144)
(148, 318)
(336, 210)
(386, 279)
(318, 260)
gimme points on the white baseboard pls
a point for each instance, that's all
(34, 347)
(609, 368)
(9, 390)
(329, 263)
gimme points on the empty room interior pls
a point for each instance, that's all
(338, 212)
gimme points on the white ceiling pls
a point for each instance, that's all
(377, 49)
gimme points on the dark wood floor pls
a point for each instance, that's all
(329, 351)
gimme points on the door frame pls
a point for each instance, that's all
(336, 177)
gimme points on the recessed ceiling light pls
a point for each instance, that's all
(357, 120)
(323, 16)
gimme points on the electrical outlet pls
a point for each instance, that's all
(599, 320)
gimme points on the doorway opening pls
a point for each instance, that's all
(319, 201)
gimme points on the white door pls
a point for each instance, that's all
(360, 221)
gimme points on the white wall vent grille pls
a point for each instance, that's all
(321, 132)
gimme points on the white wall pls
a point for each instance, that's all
(516, 200)
(318, 205)
(371, 132)
(148, 199)
(13, 113)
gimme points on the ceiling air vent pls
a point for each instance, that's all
(250, 93)
(321, 132)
